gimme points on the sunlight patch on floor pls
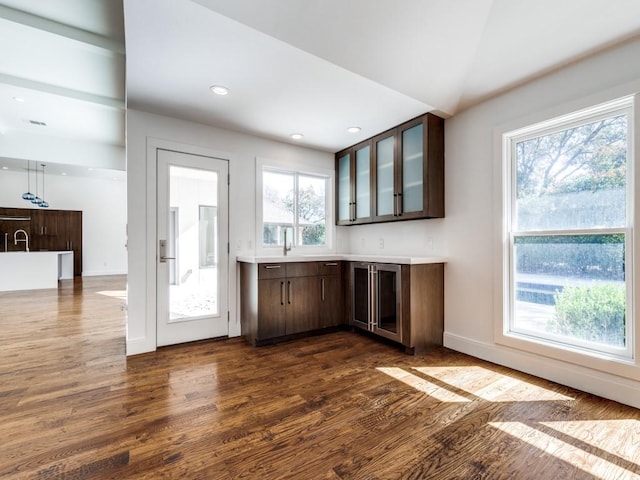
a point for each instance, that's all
(121, 294)
(422, 385)
(617, 437)
(491, 386)
(567, 452)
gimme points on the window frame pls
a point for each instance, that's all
(328, 175)
(607, 359)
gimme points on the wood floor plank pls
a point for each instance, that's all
(333, 407)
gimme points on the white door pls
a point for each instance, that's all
(192, 247)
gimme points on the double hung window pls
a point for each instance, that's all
(294, 204)
(568, 232)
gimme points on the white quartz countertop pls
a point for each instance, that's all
(397, 259)
(37, 252)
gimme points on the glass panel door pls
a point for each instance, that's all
(384, 177)
(363, 182)
(412, 166)
(192, 258)
(361, 294)
(344, 188)
(388, 301)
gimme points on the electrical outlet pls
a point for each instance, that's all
(239, 245)
(381, 243)
(362, 242)
(249, 245)
(429, 243)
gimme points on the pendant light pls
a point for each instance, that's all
(44, 203)
(28, 195)
(36, 200)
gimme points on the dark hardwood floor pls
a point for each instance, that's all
(339, 406)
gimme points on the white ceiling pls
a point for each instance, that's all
(319, 66)
(64, 59)
(315, 66)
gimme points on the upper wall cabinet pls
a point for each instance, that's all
(397, 175)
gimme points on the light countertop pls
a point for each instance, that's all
(397, 259)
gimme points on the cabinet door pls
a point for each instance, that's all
(331, 305)
(360, 299)
(344, 213)
(412, 167)
(363, 180)
(420, 183)
(388, 301)
(302, 294)
(73, 227)
(271, 308)
(330, 308)
(384, 159)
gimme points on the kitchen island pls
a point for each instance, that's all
(34, 270)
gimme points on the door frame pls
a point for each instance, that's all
(148, 342)
(198, 327)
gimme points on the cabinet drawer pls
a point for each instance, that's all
(271, 270)
(329, 268)
(302, 269)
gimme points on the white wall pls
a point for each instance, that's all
(241, 150)
(104, 214)
(470, 234)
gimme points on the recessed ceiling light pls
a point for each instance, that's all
(353, 129)
(63, 173)
(296, 136)
(5, 168)
(219, 89)
(90, 169)
(18, 99)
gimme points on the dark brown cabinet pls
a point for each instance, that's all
(52, 230)
(396, 175)
(330, 308)
(404, 303)
(283, 299)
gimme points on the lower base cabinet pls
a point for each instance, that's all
(279, 300)
(403, 303)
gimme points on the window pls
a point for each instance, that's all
(294, 204)
(208, 222)
(569, 232)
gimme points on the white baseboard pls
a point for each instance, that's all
(136, 346)
(615, 388)
(99, 273)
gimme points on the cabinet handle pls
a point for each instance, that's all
(331, 264)
(289, 293)
(281, 293)
(269, 267)
(399, 204)
(322, 289)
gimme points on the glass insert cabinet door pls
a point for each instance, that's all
(377, 298)
(344, 188)
(412, 169)
(388, 301)
(384, 160)
(363, 182)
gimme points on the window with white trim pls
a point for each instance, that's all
(294, 204)
(568, 231)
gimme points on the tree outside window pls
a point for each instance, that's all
(294, 203)
(568, 233)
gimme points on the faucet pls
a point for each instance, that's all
(25, 239)
(285, 249)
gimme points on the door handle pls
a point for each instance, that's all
(289, 293)
(163, 252)
(322, 289)
(281, 293)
